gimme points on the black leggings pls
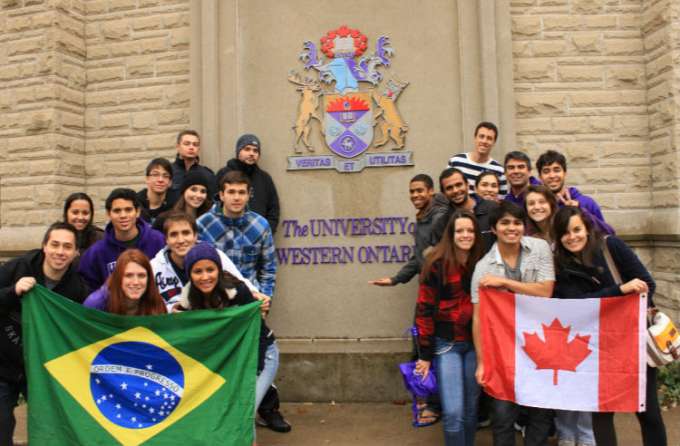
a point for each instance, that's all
(651, 422)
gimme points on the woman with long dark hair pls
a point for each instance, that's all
(444, 321)
(130, 289)
(193, 198)
(211, 288)
(540, 205)
(79, 212)
(582, 272)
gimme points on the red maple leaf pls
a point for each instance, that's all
(555, 352)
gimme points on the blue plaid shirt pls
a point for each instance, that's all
(247, 241)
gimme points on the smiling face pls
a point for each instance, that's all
(79, 214)
(59, 250)
(195, 195)
(455, 187)
(484, 142)
(180, 238)
(538, 207)
(204, 274)
(249, 154)
(509, 229)
(576, 237)
(123, 215)
(464, 234)
(553, 176)
(420, 194)
(488, 188)
(517, 173)
(134, 281)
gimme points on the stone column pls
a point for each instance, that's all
(42, 56)
(661, 31)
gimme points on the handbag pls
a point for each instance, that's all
(418, 386)
(663, 339)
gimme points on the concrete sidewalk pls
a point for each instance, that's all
(384, 424)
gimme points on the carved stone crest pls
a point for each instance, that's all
(354, 108)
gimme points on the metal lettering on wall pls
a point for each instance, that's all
(350, 109)
(345, 227)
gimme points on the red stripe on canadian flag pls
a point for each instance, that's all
(572, 354)
(620, 356)
(498, 334)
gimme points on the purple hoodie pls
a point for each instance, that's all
(519, 200)
(591, 209)
(100, 259)
(98, 299)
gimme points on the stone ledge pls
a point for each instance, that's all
(343, 346)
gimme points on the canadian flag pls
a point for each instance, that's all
(573, 354)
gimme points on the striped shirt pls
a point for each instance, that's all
(472, 169)
(536, 265)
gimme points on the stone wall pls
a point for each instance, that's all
(42, 102)
(661, 31)
(596, 80)
(137, 91)
(89, 92)
(580, 88)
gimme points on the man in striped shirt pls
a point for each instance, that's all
(479, 160)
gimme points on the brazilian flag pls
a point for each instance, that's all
(96, 378)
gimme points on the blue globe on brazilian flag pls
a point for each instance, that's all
(98, 378)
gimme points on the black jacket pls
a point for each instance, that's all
(482, 210)
(150, 215)
(263, 196)
(178, 173)
(29, 264)
(578, 281)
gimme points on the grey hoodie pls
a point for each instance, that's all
(422, 236)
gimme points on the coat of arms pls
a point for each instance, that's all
(353, 107)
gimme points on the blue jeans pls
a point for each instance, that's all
(455, 364)
(268, 373)
(575, 426)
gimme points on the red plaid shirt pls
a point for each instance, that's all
(452, 319)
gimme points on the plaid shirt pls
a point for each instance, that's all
(247, 241)
(536, 264)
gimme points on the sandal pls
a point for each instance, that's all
(426, 416)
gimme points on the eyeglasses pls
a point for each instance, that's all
(164, 176)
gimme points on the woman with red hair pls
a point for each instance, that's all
(130, 289)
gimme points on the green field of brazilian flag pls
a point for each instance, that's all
(99, 379)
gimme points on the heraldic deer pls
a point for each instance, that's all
(309, 102)
(391, 126)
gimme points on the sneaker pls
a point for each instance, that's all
(273, 420)
(483, 422)
(521, 429)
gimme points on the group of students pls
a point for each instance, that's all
(165, 249)
(496, 226)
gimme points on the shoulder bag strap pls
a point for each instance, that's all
(610, 262)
